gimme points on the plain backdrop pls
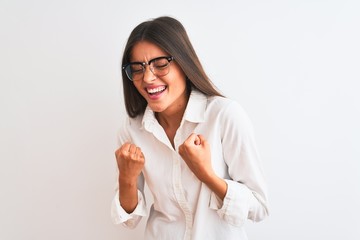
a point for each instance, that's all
(293, 65)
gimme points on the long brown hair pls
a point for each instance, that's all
(170, 35)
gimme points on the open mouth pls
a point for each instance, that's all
(156, 91)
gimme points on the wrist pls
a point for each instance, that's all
(127, 182)
(209, 178)
(217, 185)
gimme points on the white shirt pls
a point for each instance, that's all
(184, 207)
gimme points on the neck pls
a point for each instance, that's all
(170, 123)
(171, 119)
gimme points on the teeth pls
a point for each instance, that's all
(155, 90)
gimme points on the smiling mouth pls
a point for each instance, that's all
(156, 91)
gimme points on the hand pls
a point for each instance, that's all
(130, 160)
(196, 153)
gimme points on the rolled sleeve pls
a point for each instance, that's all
(129, 220)
(235, 207)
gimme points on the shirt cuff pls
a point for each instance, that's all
(120, 216)
(235, 207)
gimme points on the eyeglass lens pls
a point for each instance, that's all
(158, 66)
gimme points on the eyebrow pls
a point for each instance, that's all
(151, 60)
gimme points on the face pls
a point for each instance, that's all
(165, 94)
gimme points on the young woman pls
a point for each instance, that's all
(194, 148)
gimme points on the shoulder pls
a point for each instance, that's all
(127, 127)
(223, 105)
(229, 112)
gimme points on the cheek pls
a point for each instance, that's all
(138, 87)
(181, 78)
(140, 90)
(181, 82)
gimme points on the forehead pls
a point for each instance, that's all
(144, 51)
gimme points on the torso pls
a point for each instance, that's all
(170, 133)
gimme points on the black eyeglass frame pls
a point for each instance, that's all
(169, 58)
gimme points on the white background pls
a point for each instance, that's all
(293, 65)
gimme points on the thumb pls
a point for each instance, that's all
(192, 139)
(202, 139)
(197, 140)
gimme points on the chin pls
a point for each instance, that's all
(157, 109)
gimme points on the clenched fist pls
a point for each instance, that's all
(196, 153)
(130, 161)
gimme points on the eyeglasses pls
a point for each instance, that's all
(158, 66)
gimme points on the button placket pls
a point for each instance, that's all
(179, 189)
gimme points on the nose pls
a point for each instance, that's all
(149, 76)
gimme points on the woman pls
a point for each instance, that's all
(193, 147)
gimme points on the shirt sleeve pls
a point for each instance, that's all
(246, 189)
(118, 214)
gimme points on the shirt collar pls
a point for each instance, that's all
(195, 111)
